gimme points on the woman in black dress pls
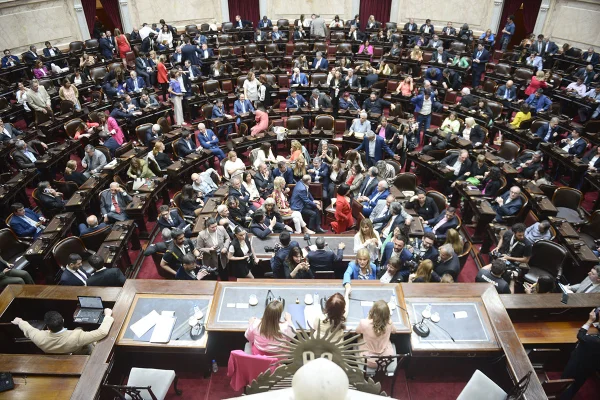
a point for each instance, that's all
(265, 90)
(160, 157)
(72, 175)
(190, 204)
(241, 254)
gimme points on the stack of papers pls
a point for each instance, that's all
(162, 323)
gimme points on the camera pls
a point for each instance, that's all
(273, 249)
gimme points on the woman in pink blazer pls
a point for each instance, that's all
(115, 137)
(262, 119)
(366, 49)
(40, 71)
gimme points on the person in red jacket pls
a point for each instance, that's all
(343, 211)
(161, 76)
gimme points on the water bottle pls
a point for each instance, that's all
(215, 367)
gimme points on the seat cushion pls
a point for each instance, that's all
(534, 274)
(481, 387)
(572, 216)
(158, 379)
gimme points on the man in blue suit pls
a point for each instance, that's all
(304, 202)
(106, 47)
(285, 172)
(171, 219)
(73, 274)
(9, 60)
(242, 107)
(548, 132)
(205, 52)
(193, 73)
(320, 63)
(218, 112)
(574, 144)
(507, 93)
(370, 202)
(395, 247)
(152, 135)
(480, 57)
(374, 146)
(265, 23)
(210, 141)
(538, 102)
(134, 83)
(591, 57)
(348, 102)
(295, 100)
(25, 222)
(91, 226)
(440, 224)
(508, 204)
(319, 173)
(298, 78)
(324, 259)
(189, 52)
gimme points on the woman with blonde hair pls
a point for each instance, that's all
(284, 209)
(296, 150)
(233, 166)
(537, 82)
(160, 157)
(424, 273)
(138, 168)
(376, 331)
(416, 54)
(72, 175)
(263, 333)
(251, 87)
(366, 238)
(360, 268)
(299, 168)
(405, 87)
(453, 238)
(334, 316)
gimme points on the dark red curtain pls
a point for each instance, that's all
(380, 9)
(248, 10)
(111, 7)
(89, 9)
(530, 12)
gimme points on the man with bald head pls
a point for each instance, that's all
(209, 141)
(113, 203)
(506, 94)
(152, 135)
(91, 225)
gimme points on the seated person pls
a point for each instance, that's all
(508, 204)
(494, 275)
(361, 268)
(147, 100)
(50, 198)
(284, 171)
(392, 272)
(548, 132)
(239, 191)
(370, 202)
(58, 340)
(424, 273)
(189, 270)
(574, 144)
(298, 79)
(528, 163)
(473, 132)
(523, 115)
(538, 102)
(73, 274)
(171, 219)
(538, 231)
(138, 169)
(102, 276)
(204, 184)
(592, 159)
(297, 265)
(424, 249)
(113, 203)
(210, 141)
(303, 201)
(424, 206)
(218, 112)
(396, 247)
(190, 203)
(577, 87)
(25, 222)
(544, 284)
(295, 100)
(360, 125)
(439, 225)
(93, 161)
(323, 258)
(396, 218)
(10, 276)
(348, 102)
(513, 247)
(186, 144)
(239, 213)
(264, 334)
(72, 175)
(152, 135)
(91, 225)
(261, 227)
(24, 156)
(233, 166)
(457, 164)
(134, 83)
(477, 173)
(591, 283)
(376, 331)
(448, 262)
(270, 211)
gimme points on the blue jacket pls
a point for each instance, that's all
(512, 92)
(441, 231)
(485, 57)
(237, 107)
(301, 80)
(542, 132)
(380, 147)
(11, 57)
(351, 104)
(47, 52)
(210, 52)
(418, 101)
(289, 102)
(190, 52)
(387, 253)
(288, 175)
(212, 141)
(105, 47)
(195, 70)
(353, 270)
(323, 173)
(301, 198)
(218, 112)
(22, 228)
(511, 208)
(578, 148)
(324, 64)
(510, 27)
(433, 74)
(543, 103)
(375, 197)
(265, 24)
(278, 261)
(149, 137)
(131, 84)
(178, 222)
(84, 229)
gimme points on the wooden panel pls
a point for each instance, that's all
(549, 332)
(42, 387)
(38, 364)
(549, 300)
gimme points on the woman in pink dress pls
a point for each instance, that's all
(262, 120)
(122, 44)
(114, 135)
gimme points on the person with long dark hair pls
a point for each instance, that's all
(343, 211)
(334, 315)
(298, 265)
(241, 254)
(189, 203)
(492, 183)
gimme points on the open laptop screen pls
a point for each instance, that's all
(90, 302)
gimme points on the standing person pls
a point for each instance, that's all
(376, 331)
(122, 45)
(214, 242)
(241, 254)
(162, 77)
(251, 85)
(508, 32)
(176, 97)
(368, 239)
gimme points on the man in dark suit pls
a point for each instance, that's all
(186, 145)
(319, 100)
(278, 267)
(410, 26)
(440, 224)
(171, 219)
(319, 173)
(9, 60)
(152, 135)
(189, 52)
(240, 23)
(427, 27)
(295, 100)
(106, 47)
(91, 225)
(8, 131)
(25, 222)
(369, 184)
(374, 146)
(73, 274)
(302, 201)
(375, 104)
(242, 107)
(480, 57)
(51, 51)
(424, 249)
(239, 191)
(320, 63)
(265, 23)
(49, 198)
(548, 132)
(440, 56)
(209, 141)
(396, 247)
(113, 203)
(103, 276)
(188, 271)
(528, 163)
(591, 57)
(31, 56)
(507, 93)
(370, 202)
(538, 102)
(260, 227)
(192, 72)
(177, 56)
(134, 83)
(456, 164)
(352, 81)
(448, 262)
(143, 69)
(574, 143)
(284, 171)
(264, 181)
(508, 204)
(323, 259)
(24, 156)
(449, 30)
(205, 53)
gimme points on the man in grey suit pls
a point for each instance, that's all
(113, 203)
(93, 161)
(317, 28)
(591, 284)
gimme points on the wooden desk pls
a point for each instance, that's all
(332, 240)
(41, 387)
(223, 317)
(549, 332)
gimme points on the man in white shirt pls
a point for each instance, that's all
(73, 274)
(360, 125)
(145, 31)
(577, 87)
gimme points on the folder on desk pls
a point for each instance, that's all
(163, 329)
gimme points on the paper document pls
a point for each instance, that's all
(241, 305)
(145, 324)
(163, 329)
(460, 314)
(110, 164)
(366, 304)
(167, 313)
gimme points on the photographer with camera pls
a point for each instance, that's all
(213, 242)
(297, 265)
(282, 250)
(513, 248)
(424, 249)
(189, 270)
(584, 358)
(495, 277)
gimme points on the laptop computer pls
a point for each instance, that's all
(90, 311)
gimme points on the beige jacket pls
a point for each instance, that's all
(38, 100)
(67, 342)
(205, 241)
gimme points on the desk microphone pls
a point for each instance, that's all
(421, 329)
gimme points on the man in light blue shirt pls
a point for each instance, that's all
(360, 125)
(508, 32)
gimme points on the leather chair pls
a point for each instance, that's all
(251, 51)
(318, 78)
(191, 30)
(91, 45)
(157, 258)
(548, 190)
(11, 247)
(509, 150)
(66, 188)
(227, 26)
(262, 65)
(212, 89)
(93, 240)
(496, 108)
(343, 48)
(204, 28)
(535, 125)
(71, 126)
(337, 37)
(391, 26)
(325, 122)
(590, 232)
(462, 257)
(502, 70)
(565, 199)
(49, 214)
(104, 150)
(522, 76)
(97, 74)
(457, 47)
(406, 181)
(70, 245)
(177, 199)
(154, 167)
(440, 200)
(295, 122)
(226, 52)
(76, 48)
(283, 24)
(490, 86)
(140, 132)
(547, 259)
